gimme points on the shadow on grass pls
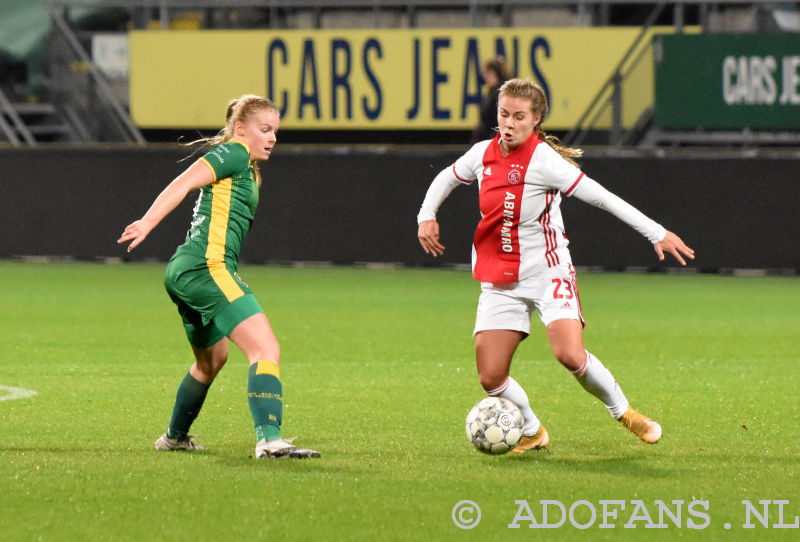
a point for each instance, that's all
(622, 463)
(224, 458)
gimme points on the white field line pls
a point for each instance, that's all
(14, 393)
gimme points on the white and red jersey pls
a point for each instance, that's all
(521, 231)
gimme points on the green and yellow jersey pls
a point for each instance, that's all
(201, 277)
(225, 208)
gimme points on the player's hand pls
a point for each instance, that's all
(136, 232)
(428, 235)
(675, 246)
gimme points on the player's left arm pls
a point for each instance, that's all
(675, 246)
(196, 176)
(663, 240)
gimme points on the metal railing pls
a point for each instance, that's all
(16, 128)
(611, 97)
(81, 92)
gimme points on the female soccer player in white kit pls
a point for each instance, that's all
(520, 254)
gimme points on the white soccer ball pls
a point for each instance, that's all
(494, 425)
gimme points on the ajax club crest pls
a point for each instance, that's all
(515, 175)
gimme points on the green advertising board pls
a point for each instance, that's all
(727, 81)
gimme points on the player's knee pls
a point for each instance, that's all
(219, 363)
(206, 370)
(491, 381)
(572, 359)
(268, 351)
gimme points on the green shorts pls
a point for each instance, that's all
(211, 298)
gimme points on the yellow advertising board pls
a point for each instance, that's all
(378, 79)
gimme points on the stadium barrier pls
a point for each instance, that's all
(347, 205)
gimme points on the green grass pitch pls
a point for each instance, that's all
(378, 372)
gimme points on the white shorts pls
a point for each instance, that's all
(554, 294)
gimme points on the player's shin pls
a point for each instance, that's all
(597, 380)
(188, 402)
(265, 397)
(512, 391)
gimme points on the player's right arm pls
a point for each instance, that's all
(428, 232)
(428, 235)
(196, 176)
(460, 172)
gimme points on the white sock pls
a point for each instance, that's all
(597, 380)
(512, 391)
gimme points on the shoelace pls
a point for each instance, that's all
(637, 424)
(190, 442)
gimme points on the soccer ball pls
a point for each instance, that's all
(494, 425)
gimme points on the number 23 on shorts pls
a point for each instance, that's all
(563, 289)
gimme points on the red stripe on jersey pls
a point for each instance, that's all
(574, 281)
(465, 181)
(571, 188)
(550, 235)
(544, 218)
(496, 241)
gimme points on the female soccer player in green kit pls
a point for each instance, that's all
(202, 279)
